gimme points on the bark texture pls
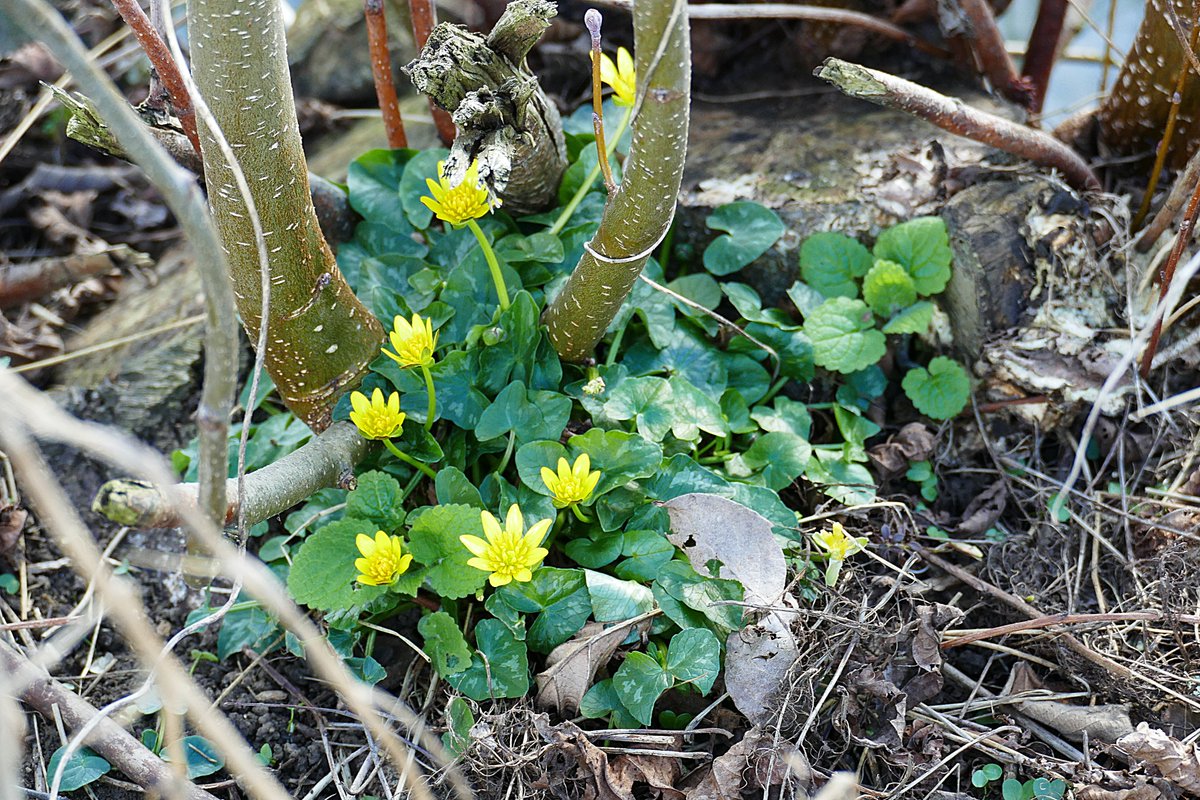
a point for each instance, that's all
(321, 338)
(640, 212)
(504, 119)
(1134, 115)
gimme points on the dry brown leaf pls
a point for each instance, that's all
(12, 522)
(1178, 763)
(757, 661)
(571, 666)
(751, 758)
(657, 772)
(1104, 723)
(982, 512)
(1143, 791)
(709, 527)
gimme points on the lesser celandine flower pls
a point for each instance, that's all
(509, 553)
(383, 561)
(414, 342)
(376, 418)
(462, 202)
(838, 547)
(572, 484)
(621, 76)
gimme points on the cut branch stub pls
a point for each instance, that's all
(503, 117)
(1134, 115)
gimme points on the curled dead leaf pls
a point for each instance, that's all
(572, 665)
(757, 661)
(1177, 762)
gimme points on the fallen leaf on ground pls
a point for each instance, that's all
(571, 666)
(708, 527)
(757, 661)
(1178, 763)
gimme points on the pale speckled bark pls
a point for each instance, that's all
(504, 119)
(321, 338)
(1134, 115)
(640, 212)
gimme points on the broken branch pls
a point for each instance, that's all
(953, 115)
(327, 460)
(381, 70)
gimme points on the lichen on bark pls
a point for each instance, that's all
(504, 119)
(321, 339)
(639, 213)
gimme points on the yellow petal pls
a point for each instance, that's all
(608, 70)
(514, 523)
(473, 543)
(550, 479)
(522, 575)
(358, 401)
(365, 544)
(497, 579)
(590, 484)
(402, 565)
(491, 526)
(481, 564)
(583, 465)
(625, 64)
(538, 532)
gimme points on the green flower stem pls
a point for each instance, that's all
(432, 397)
(407, 459)
(586, 186)
(508, 451)
(578, 512)
(559, 520)
(774, 390)
(493, 265)
(412, 485)
(615, 346)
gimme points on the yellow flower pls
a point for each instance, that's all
(572, 484)
(509, 553)
(414, 342)
(621, 76)
(458, 204)
(838, 547)
(375, 418)
(837, 544)
(383, 561)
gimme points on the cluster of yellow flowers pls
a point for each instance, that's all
(509, 553)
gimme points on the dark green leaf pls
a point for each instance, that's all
(323, 575)
(831, 263)
(82, 768)
(453, 487)
(694, 657)
(413, 187)
(433, 540)
(377, 499)
(444, 643)
(922, 247)
(639, 682)
(752, 228)
(499, 669)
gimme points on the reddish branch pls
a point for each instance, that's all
(163, 63)
(1065, 619)
(1167, 274)
(423, 20)
(954, 116)
(53, 700)
(381, 69)
(988, 45)
(1042, 50)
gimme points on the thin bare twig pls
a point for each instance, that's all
(958, 118)
(987, 44)
(37, 689)
(1165, 275)
(424, 17)
(1177, 198)
(381, 70)
(160, 58)
(324, 461)
(1042, 50)
(1063, 619)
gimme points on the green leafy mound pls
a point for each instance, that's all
(670, 408)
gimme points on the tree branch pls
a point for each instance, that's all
(381, 70)
(37, 689)
(953, 115)
(327, 460)
(640, 213)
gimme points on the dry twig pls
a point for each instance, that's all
(958, 118)
(381, 70)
